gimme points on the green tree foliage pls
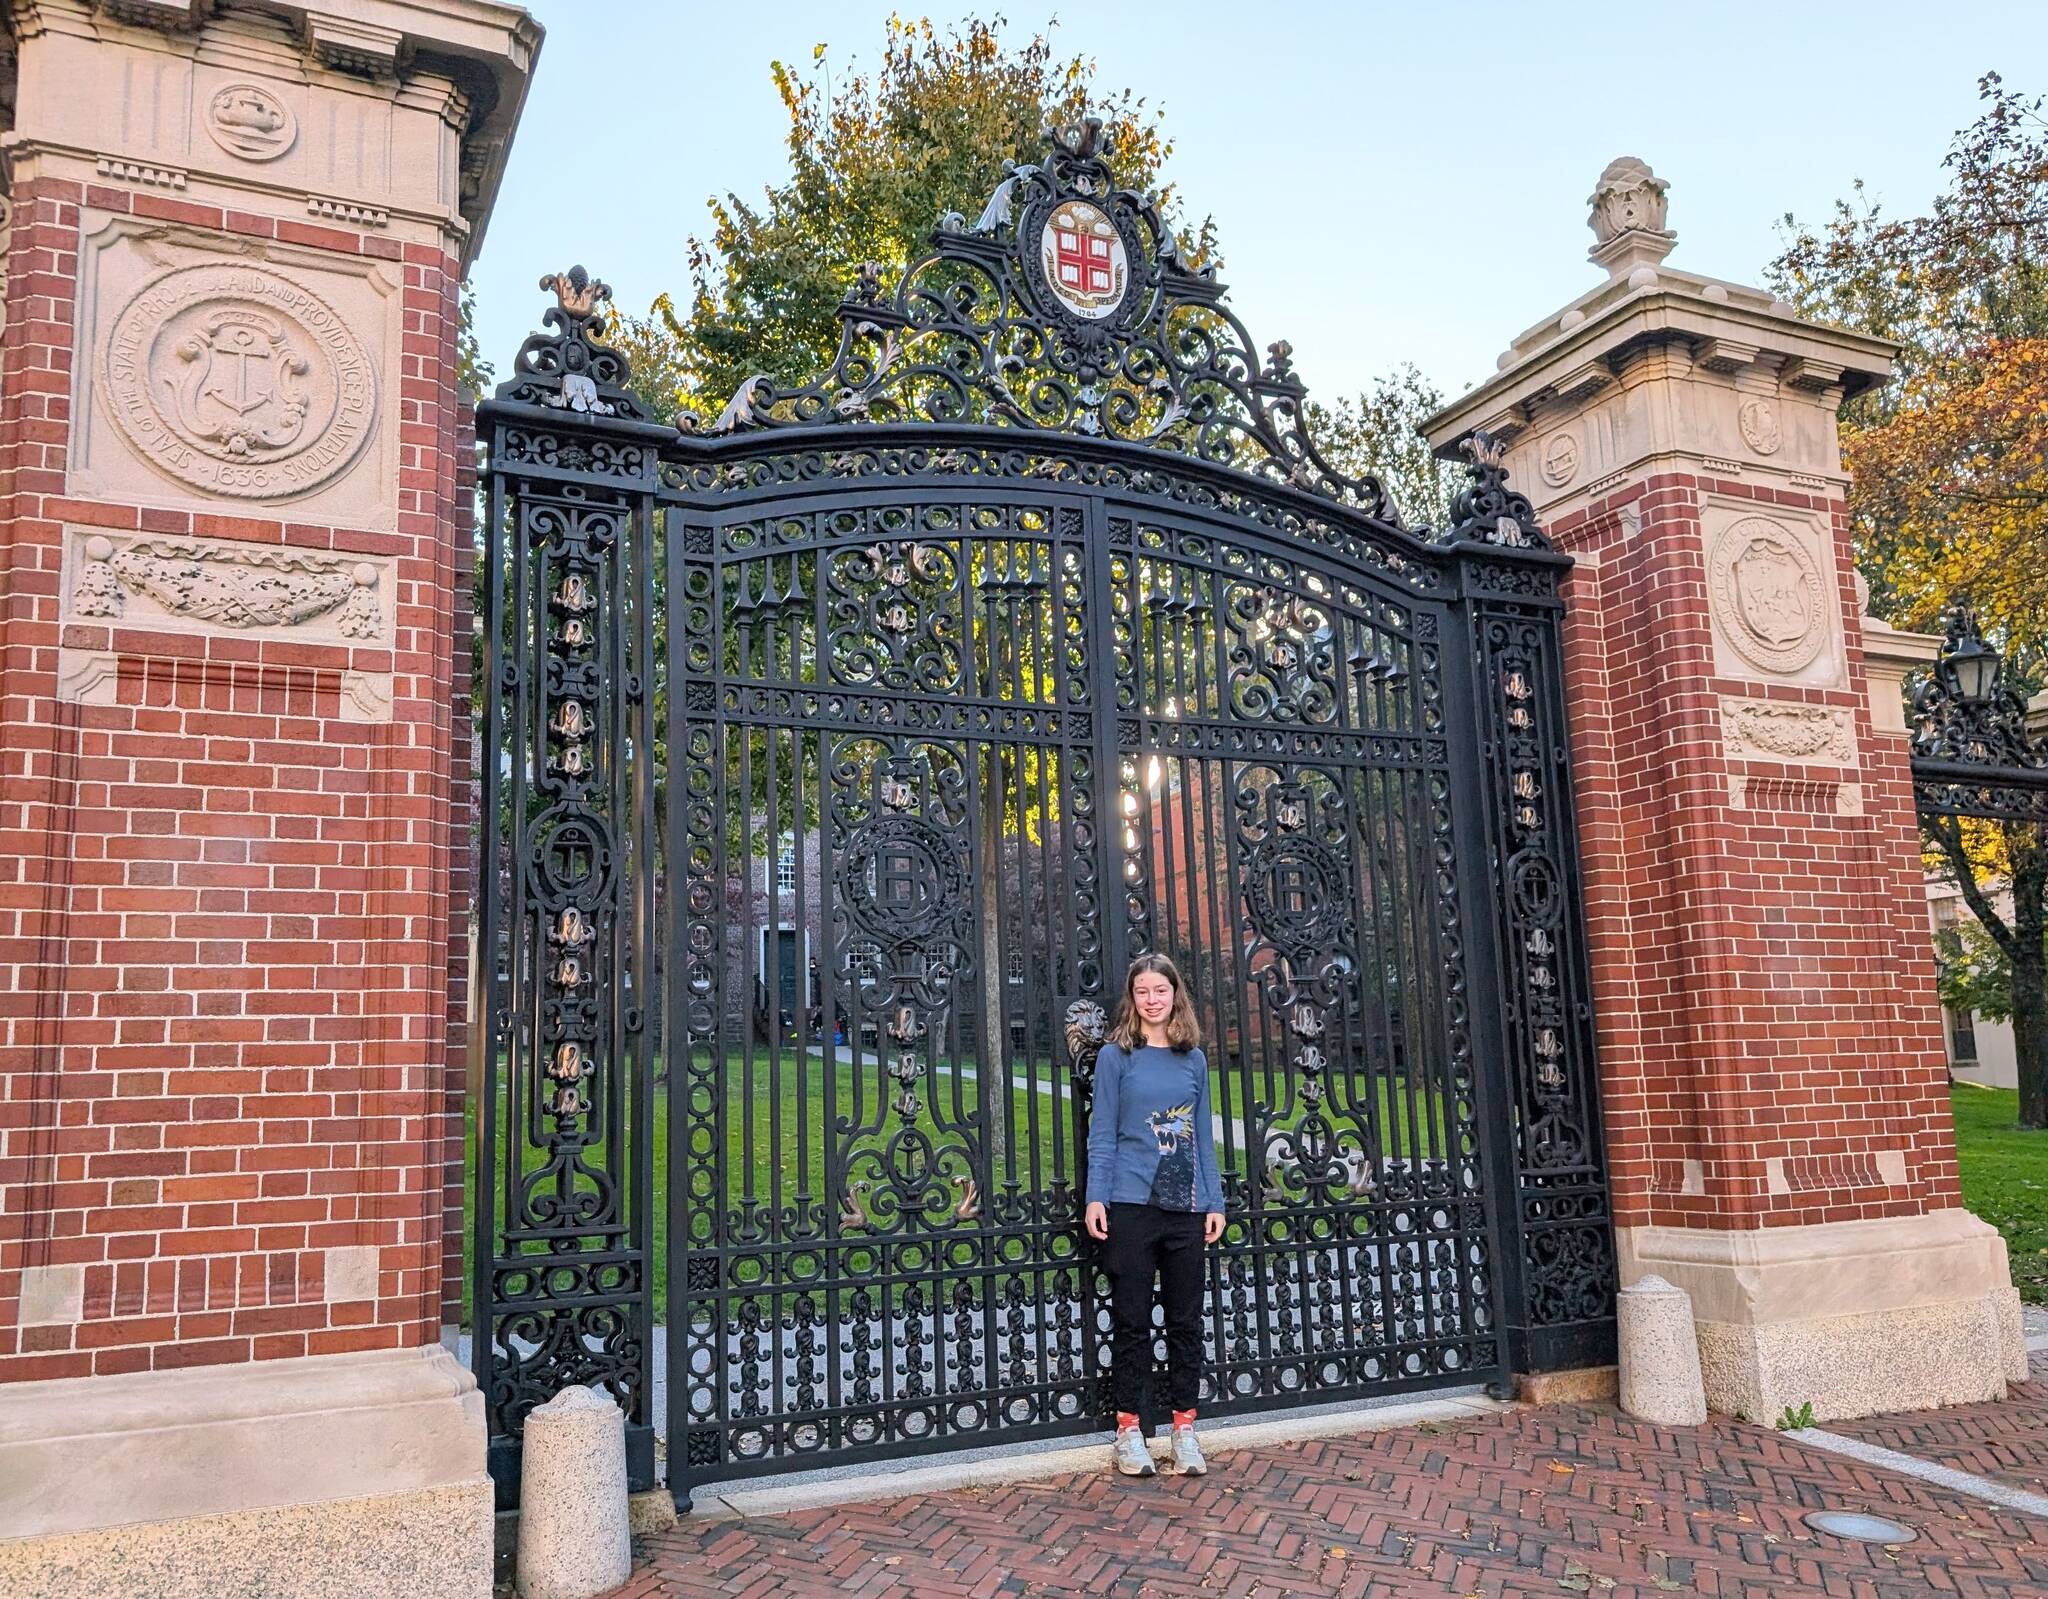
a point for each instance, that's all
(1379, 434)
(1949, 460)
(876, 158)
(1974, 973)
(473, 374)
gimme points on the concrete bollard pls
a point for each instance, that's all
(1660, 1355)
(573, 1536)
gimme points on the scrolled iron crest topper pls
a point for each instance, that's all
(1066, 307)
(1486, 509)
(572, 369)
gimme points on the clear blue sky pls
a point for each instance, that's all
(1392, 183)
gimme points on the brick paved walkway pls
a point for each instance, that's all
(2008, 1442)
(1568, 1499)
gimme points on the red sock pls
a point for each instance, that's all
(1126, 1421)
(1183, 1418)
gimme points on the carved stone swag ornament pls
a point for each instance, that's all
(229, 587)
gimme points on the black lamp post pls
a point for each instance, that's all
(1969, 663)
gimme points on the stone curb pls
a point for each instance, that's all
(1217, 1439)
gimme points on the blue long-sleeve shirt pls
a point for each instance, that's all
(1151, 1140)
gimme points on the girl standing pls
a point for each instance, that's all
(1154, 1200)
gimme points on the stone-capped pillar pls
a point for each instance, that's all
(1774, 1088)
(236, 549)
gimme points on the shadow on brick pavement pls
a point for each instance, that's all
(1566, 1499)
(2007, 1442)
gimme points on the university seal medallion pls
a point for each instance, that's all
(1086, 264)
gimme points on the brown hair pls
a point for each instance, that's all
(1183, 1032)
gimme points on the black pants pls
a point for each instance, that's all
(1144, 1240)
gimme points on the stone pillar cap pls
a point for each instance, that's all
(1574, 353)
(1654, 1285)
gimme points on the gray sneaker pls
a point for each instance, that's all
(1131, 1455)
(1187, 1454)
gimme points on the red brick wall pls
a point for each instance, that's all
(462, 871)
(224, 914)
(1762, 977)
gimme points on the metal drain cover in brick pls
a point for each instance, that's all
(1864, 1529)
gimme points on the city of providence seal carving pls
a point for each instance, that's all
(1767, 592)
(235, 380)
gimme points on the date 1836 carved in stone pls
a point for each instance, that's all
(236, 380)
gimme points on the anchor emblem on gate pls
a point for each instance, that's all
(243, 390)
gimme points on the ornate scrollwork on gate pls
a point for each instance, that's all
(567, 1281)
(1296, 845)
(905, 952)
(1567, 1261)
(1066, 307)
(894, 614)
(1282, 653)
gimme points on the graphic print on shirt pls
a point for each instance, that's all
(1173, 1183)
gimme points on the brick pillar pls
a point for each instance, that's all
(1770, 1042)
(233, 784)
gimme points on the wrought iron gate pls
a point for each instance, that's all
(842, 755)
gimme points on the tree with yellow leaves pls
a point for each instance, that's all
(876, 158)
(1949, 493)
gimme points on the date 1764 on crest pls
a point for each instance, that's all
(1086, 264)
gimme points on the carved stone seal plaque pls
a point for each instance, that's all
(1560, 459)
(234, 379)
(247, 120)
(1767, 594)
(1758, 420)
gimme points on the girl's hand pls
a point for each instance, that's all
(1212, 1227)
(1096, 1219)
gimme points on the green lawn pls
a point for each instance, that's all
(764, 1143)
(2005, 1179)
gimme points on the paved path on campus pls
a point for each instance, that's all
(1513, 1505)
(2007, 1443)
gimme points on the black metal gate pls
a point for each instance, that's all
(841, 757)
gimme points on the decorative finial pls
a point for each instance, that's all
(1486, 509)
(569, 367)
(1627, 218)
(1484, 449)
(1082, 140)
(867, 284)
(579, 293)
